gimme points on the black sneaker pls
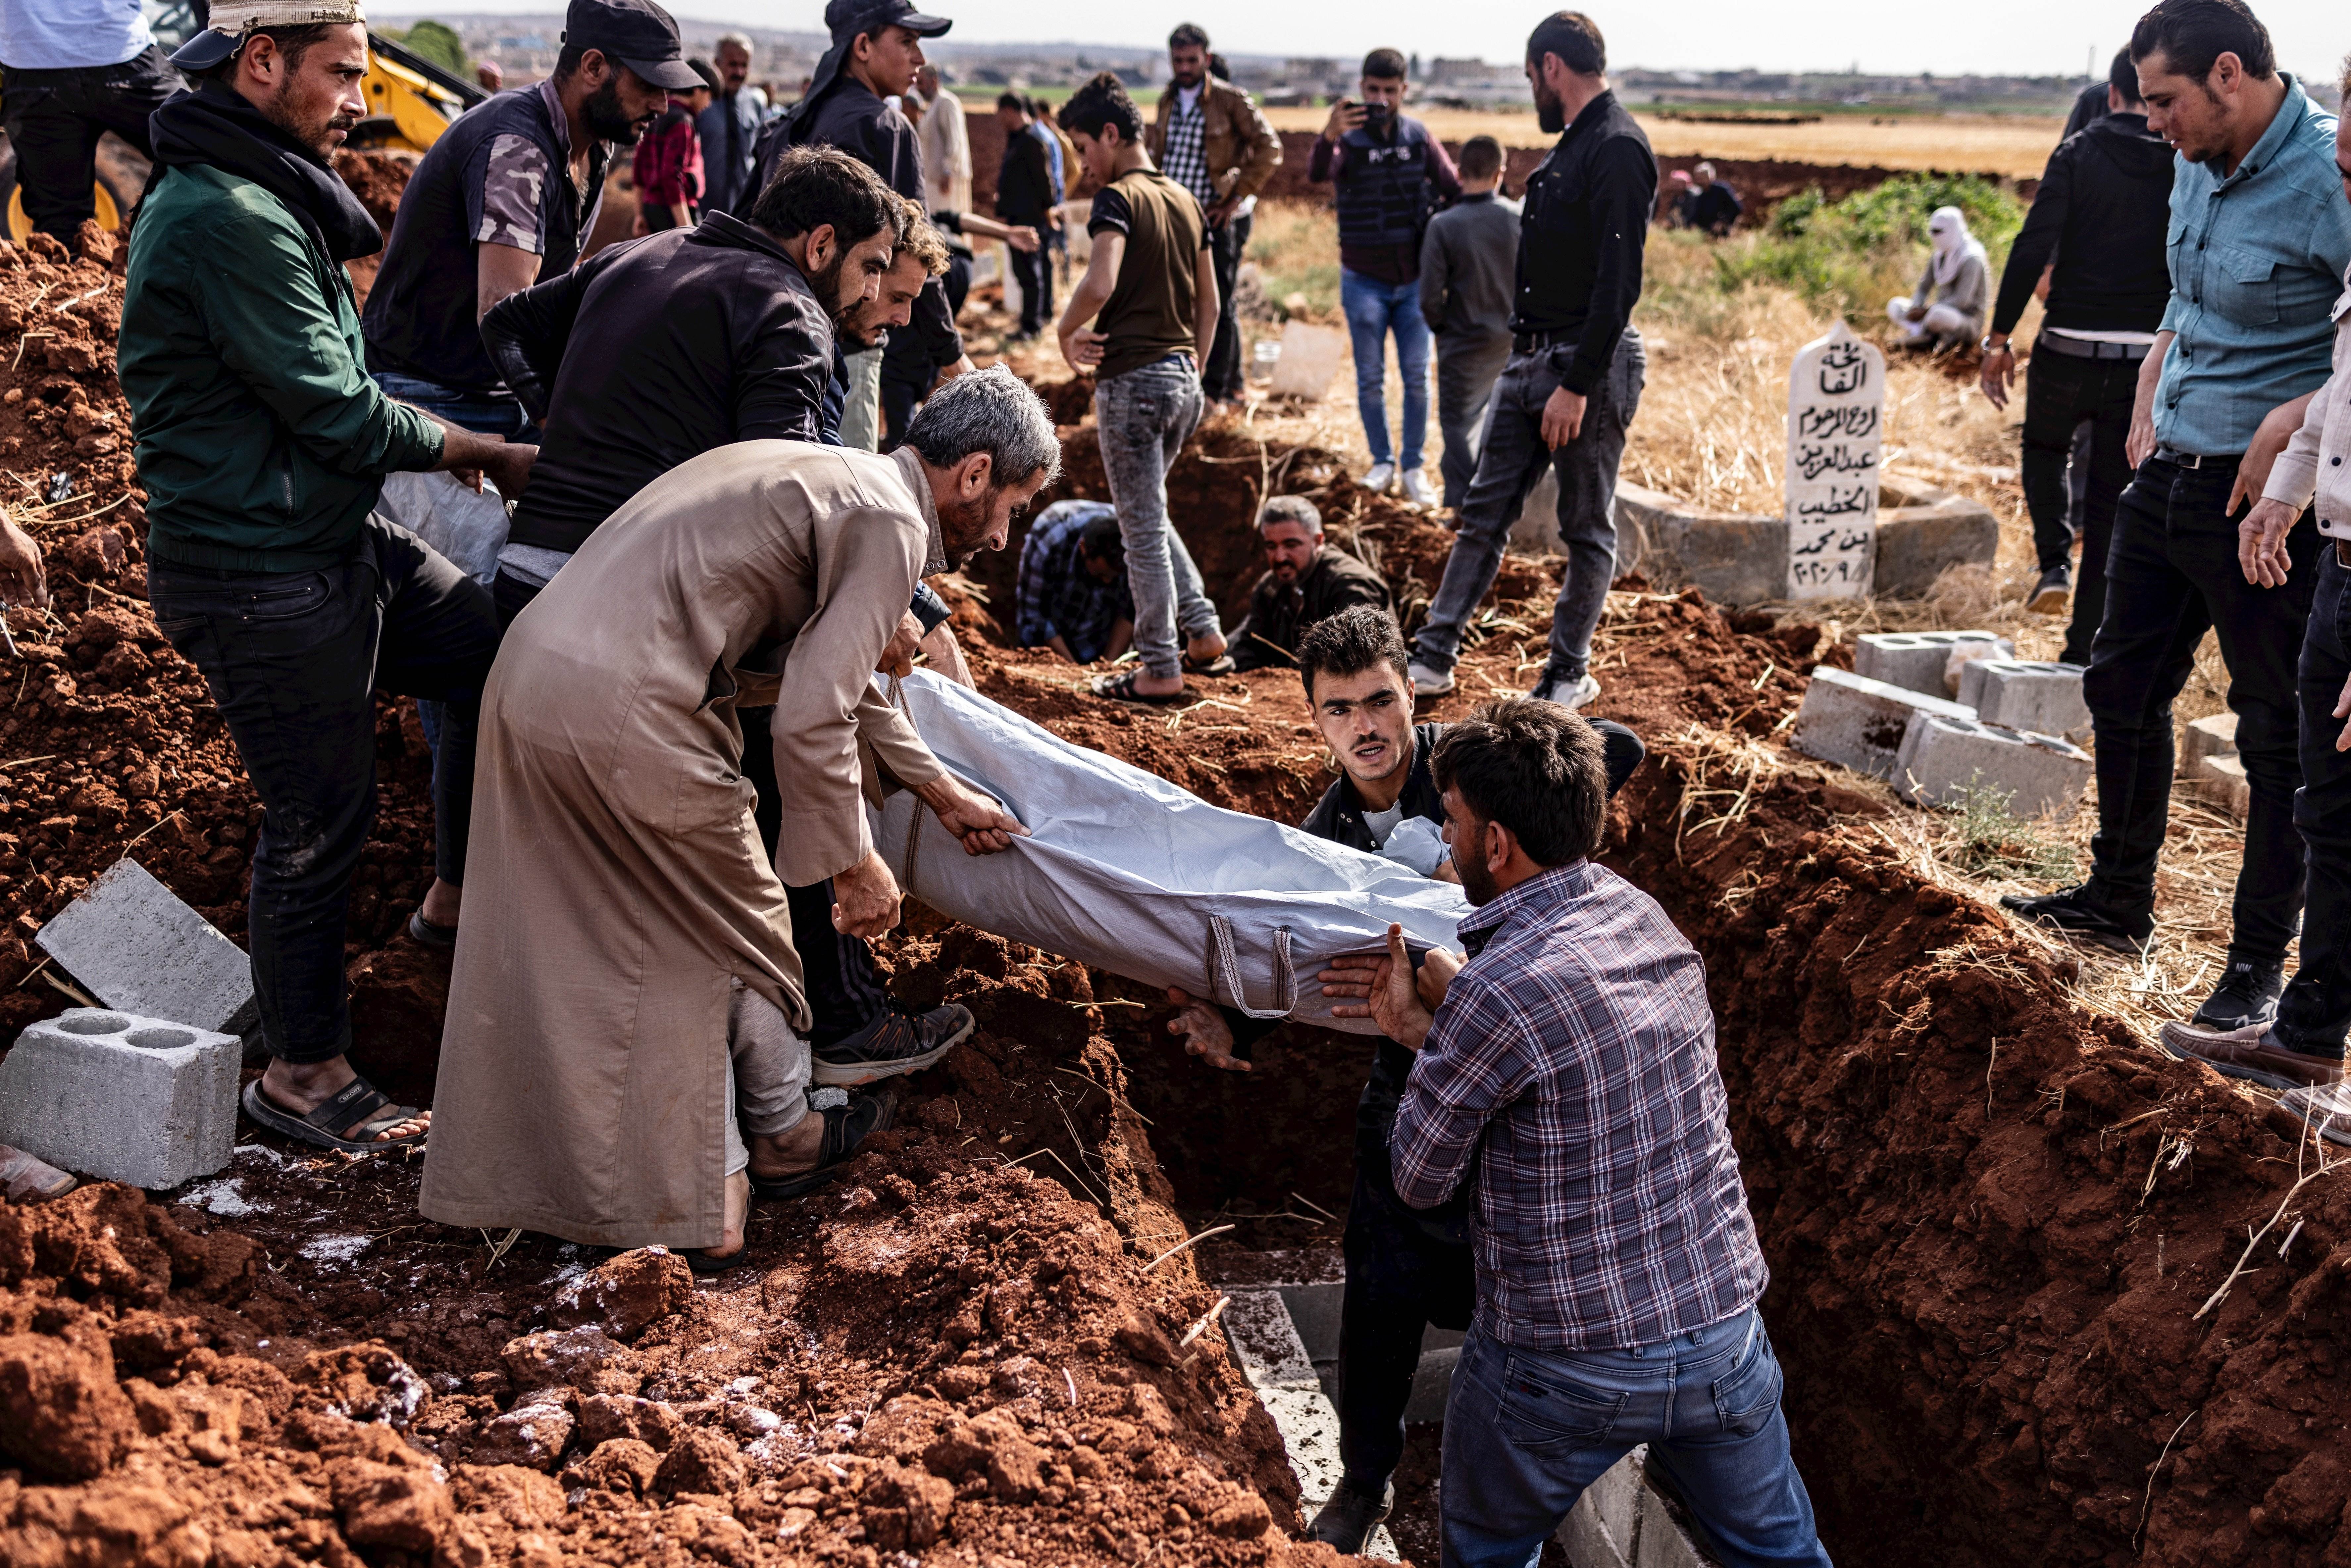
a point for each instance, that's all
(2054, 592)
(849, 1119)
(2073, 910)
(2247, 995)
(893, 1043)
(1347, 1520)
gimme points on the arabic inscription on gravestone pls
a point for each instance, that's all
(1836, 417)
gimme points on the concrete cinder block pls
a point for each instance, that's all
(2214, 734)
(1920, 659)
(1859, 723)
(1943, 757)
(2027, 694)
(136, 948)
(139, 1100)
(2221, 783)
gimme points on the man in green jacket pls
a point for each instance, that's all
(262, 443)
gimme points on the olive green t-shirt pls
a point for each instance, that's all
(1150, 312)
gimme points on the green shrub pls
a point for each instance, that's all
(437, 42)
(1852, 256)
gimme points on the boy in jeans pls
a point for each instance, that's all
(1468, 266)
(1151, 294)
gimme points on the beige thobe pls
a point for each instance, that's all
(616, 882)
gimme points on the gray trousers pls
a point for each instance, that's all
(1467, 369)
(1142, 419)
(767, 1072)
(1510, 463)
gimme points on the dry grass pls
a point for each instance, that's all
(2017, 147)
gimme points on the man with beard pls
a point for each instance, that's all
(635, 978)
(2260, 236)
(1574, 378)
(509, 193)
(262, 446)
(1306, 582)
(1564, 1079)
(1405, 1269)
(876, 55)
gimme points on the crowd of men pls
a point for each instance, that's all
(737, 445)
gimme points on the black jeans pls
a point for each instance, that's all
(2060, 393)
(1033, 269)
(293, 660)
(1405, 1269)
(2171, 573)
(54, 120)
(1512, 459)
(844, 993)
(2315, 1011)
(1221, 377)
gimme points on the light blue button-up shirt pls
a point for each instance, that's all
(2257, 260)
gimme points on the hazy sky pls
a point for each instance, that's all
(2024, 37)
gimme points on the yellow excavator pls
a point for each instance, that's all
(410, 101)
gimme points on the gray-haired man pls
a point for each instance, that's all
(730, 126)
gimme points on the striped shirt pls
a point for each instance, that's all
(1571, 1068)
(1187, 162)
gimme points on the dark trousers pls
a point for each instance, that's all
(54, 120)
(2315, 1011)
(1033, 269)
(2061, 392)
(2171, 573)
(1403, 1274)
(1511, 460)
(293, 660)
(1220, 377)
(844, 993)
(1467, 370)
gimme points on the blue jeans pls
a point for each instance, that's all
(1142, 419)
(481, 412)
(1527, 1430)
(1373, 311)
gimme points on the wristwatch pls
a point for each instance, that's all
(1988, 346)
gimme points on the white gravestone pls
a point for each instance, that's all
(1836, 434)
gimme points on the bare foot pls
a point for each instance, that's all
(1206, 650)
(303, 1087)
(789, 1154)
(738, 1213)
(1148, 684)
(440, 905)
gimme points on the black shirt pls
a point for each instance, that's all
(1024, 184)
(1580, 235)
(2103, 209)
(652, 352)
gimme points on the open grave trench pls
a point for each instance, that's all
(1991, 1215)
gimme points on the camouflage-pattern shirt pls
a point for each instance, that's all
(515, 175)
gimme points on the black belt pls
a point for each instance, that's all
(2194, 460)
(1536, 342)
(2083, 348)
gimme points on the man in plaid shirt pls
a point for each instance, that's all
(1570, 1064)
(1072, 595)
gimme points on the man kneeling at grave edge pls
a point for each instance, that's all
(1404, 1270)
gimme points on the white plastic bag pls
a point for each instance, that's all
(1417, 843)
(1124, 871)
(469, 529)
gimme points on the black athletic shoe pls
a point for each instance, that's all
(2054, 592)
(2247, 995)
(893, 1043)
(1347, 1520)
(2074, 912)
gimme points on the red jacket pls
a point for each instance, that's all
(669, 159)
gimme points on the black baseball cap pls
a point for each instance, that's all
(847, 18)
(637, 33)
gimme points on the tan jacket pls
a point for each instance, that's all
(617, 882)
(2311, 467)
(1241, 149)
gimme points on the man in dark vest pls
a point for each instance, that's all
(507, 196)
(1388, 174)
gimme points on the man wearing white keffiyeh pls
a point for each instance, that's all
(1954, 290)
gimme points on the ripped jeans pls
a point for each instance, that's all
(293, 660)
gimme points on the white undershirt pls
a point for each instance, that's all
(1382, 824)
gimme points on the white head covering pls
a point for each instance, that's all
(1947, 231)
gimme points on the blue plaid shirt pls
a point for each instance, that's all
(1056, 594)
(1573, 1068)
(2257, 260)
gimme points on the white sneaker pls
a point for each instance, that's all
(1382, 475)
(1416, 488)
(1426, 682)
(1569, 694)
